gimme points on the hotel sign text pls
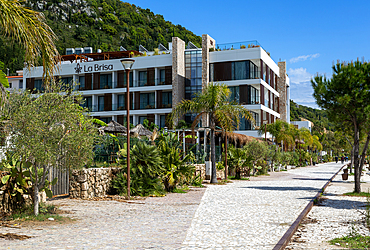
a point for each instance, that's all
(93, 68)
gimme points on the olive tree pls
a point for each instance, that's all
(49, 130)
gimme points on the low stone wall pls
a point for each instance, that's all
(91, 182)
(201, 168)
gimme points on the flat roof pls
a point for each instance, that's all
(100, 56)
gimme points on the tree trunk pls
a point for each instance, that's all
(356, 149)
(213, 155)
(226, 170)
(237, 173)
(352, 160)
(36, 193)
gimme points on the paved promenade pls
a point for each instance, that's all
(241, 215)
(255, 214)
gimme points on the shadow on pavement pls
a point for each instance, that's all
(285, 188)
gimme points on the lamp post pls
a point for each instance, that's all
(127, 65)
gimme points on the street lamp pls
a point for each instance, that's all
(127, 65)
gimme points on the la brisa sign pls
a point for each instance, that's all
(92, 68)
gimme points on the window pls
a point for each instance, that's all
(121, 102)
(101, 103)
(248, 125)
(21, 84)
(141, 119)
(234, 96)
(67, 81)
(193, 73)
(255, 95)
(267, 103)
(10, 84)
(81, 81)
(239, 70)
(106, 81)
(87, 103)
(227, 71)
(39, 85)
(167, 99)
(162, 77)
(142, 78)
(147, 100)
(162, 121)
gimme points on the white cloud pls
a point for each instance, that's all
(299, 75)
(304, 58)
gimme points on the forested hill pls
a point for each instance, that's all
(101, 24)
(317, 116)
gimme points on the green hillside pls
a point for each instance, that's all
(317, 116)
(101, 24)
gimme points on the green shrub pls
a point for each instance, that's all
(146, 170)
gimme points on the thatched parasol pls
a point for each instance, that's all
(141, 131)
(114, 128)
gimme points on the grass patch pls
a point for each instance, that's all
(45, 212)
(362, 194)
(242, 178)
(354, 241)
(182, 190)
(351, 174)
(283, 170)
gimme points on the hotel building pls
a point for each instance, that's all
(160, 80)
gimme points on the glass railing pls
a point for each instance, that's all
(147, 105)
(165, 106)
(238, 45)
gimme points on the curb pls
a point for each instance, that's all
(284, 241)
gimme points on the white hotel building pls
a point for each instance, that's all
(159, 82)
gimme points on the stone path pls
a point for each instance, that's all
(254, 214)
(160, 223)
(241, 215)
(336, 216)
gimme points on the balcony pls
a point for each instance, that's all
(238, 45)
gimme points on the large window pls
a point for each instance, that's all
(88, 103)
(67, 81)
(147, 100)
(234, 96)
(101, 103)
(162, 77)
(267, 99)
(162, 121)
(248, 125)
(143, 78)
(167, 99)
(193, 73)
(239, 70)
(81, 82)
(39, 85)
(255, 95)
(121, 102)
(106, 81)
(20, 84)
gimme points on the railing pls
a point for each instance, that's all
(147, 105)
(136, 83)
(238, 45)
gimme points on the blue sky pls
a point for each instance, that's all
(309, 35)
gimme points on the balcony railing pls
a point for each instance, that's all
(238, 45)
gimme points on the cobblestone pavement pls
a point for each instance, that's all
(334, 217)
(160, 223)
(254, 214)
(241, 215)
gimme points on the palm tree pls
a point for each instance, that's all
(29, 28)
(214, 101)
(280, 131)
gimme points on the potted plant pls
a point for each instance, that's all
(345, 174)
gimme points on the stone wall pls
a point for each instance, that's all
(91, 182)
(201, 168)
